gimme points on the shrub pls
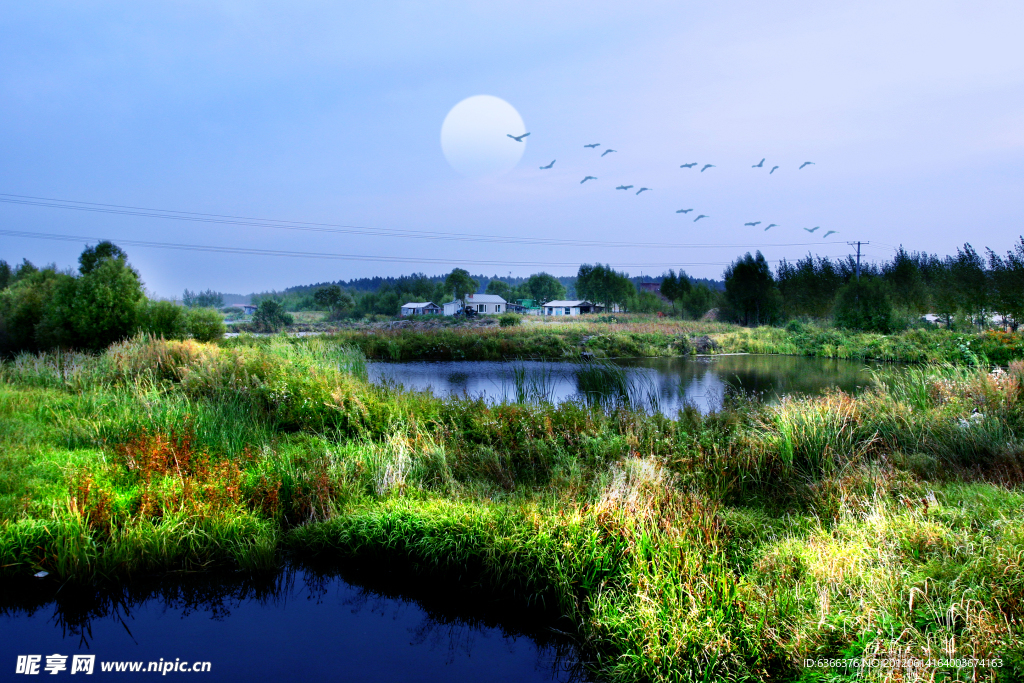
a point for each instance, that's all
(162, 319)
(510, 320)
(205, 324)
(270, 316)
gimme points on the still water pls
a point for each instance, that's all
(701, 381)
(299, 625)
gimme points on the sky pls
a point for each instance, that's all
(330, 114)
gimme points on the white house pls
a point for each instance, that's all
(420, 308)
(452, 307)
(485, 303)
(569, 307)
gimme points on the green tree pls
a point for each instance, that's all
(751, 297)
(22, 308)
(699, 300)
(270, 316)
(334, 299)
(461, 284)
(865, 305)
(1007, 284)
(906, 282)
(647, 302)
(542, 288)
(500, 288)
(205, 324)
(106, 302)
(207, 299)
(6, 274)
(808, 287)
(938, 277)
(971, 282)
(92, 257)
(675, 288)
(601, 284)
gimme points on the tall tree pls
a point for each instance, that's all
(543, 288)
(972, 284)
(500, 288)
(906, 282)
(92, 257)
(750, 293)
(603, 285)
(675, 288)
(1006, 277)
(459, 282)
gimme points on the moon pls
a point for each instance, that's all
(474, 136)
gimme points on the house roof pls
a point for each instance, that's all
(420, 304)
(485, 299)
(567, 304)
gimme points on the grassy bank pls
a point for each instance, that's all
(637, 336)
(734, 545)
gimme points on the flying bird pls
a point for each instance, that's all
(806, 163)
(643, 189)
(753, 224)
(830, 232)
(699, 217)
(690, 165)
(769, 227)
(544, 168)
(608, 151)
(772, 225)
(624, 187)
(596, 144)
(684, 210)
(517, 138)
(758, 164)
(589, 177)
(773, 170)
(706, 167)
(812, 229)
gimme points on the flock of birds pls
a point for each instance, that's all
(693, 164)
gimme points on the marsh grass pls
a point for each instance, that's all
(609, 386)
(727, 546)
(529, 384)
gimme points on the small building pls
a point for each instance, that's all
(420, 308)
(570, 308)
(452, 307)
(247, 309)
(524, 307)
(486, 303)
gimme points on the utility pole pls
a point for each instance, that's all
(857, 244)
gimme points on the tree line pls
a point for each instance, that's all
(964, 290)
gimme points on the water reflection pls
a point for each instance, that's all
(303, 623)
(665, 384)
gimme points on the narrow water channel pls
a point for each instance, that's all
(299, 625)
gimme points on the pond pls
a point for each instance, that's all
(664, 384)
(301, 624)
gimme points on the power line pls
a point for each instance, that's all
(340, 257)
(332, 256)
(243, 221)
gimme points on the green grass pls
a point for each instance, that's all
(731, 546)
(641, 336)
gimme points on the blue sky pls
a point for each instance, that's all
(913, 113)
